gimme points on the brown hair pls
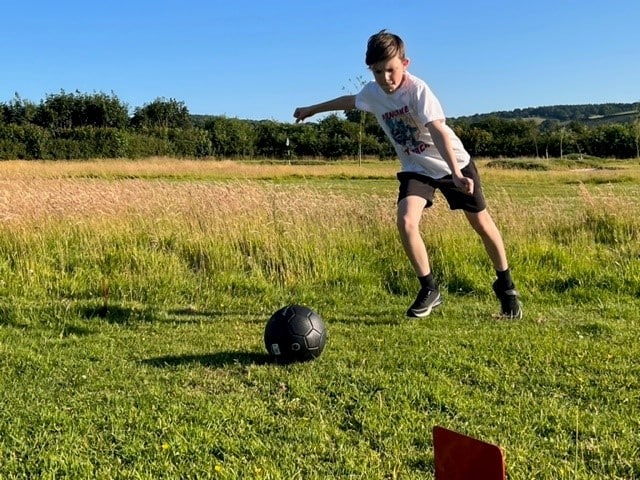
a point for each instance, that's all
(383, 46)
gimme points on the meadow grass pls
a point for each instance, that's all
(134, 294)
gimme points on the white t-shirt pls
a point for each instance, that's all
(403, 116)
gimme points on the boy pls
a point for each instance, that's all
(432, 157)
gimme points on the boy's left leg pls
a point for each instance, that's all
(484, 226)
(504, 288)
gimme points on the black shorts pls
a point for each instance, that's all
(425, 187)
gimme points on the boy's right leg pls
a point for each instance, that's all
(409, 214)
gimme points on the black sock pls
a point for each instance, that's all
(504, 279)
(427, 282)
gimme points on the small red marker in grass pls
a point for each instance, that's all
(460, 457)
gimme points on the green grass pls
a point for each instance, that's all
(132, 311)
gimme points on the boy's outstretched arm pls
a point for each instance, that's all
(346, 102)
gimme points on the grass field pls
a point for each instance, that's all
(133, 297)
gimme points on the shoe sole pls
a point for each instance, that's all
(426, 312)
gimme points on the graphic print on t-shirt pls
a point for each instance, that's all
(403, 131)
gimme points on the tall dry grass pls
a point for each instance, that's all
(161, 167)
(66, 227)
(156, 240)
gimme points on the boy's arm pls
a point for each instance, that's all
(346, 102)
(443, 144)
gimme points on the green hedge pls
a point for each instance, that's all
(31, 142)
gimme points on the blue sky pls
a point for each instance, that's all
(259, 60)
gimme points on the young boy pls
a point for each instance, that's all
(432, 157)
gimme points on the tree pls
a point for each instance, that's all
(55, 112)
(305, 140)
(338, 137)
(478, 141)
(358, 116)
(162, 113)
(271, 139)
(190, 142)
(636, 130)
(73, 110)
(18, 111)
(532, 133)
(231, 137)
(102, 110)
(563, 133)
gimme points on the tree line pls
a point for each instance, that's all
(82, 126)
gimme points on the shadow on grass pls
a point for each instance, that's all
(75, 331)
(117, 314)
(194, 314)
(125, 315)
(216, 360)
(9, 318)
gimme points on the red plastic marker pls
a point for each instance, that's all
(459, 457)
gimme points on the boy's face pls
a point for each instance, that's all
(390, 73)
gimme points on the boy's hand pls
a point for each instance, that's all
(301, 113)
(463, 183)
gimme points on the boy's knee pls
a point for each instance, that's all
(407, 224)
(481, 222)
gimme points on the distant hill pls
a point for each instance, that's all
(588, 113)
(200, 120)
(591, 114)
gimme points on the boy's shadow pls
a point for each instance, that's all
(215, 360)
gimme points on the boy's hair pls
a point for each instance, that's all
(383, 46)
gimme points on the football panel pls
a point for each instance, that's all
(315, 339)
(300, 325)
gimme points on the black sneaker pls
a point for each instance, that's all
(426, 301)
(511, 308)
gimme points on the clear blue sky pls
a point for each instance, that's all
(254, 59)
